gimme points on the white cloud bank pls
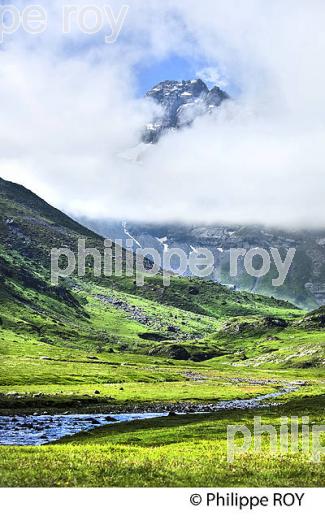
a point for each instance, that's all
(69, 112)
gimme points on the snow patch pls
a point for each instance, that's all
(163, 242)
(124, 224)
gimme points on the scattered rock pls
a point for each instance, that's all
(315, 318)
(194, 376)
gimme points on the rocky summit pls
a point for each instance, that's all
(181, 102)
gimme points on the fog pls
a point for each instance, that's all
(72, 118)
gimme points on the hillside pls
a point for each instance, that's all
(30, 228)
(46, 331)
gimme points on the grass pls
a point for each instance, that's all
(167, 452)
(137, 393)
(68, 377)
(176, 451)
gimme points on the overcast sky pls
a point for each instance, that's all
(72, 109)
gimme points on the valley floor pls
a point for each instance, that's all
(182, 451)
(127, 353)
(179, 450)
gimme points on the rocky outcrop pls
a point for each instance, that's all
(315, 319)
(174, 352)
(181, 102)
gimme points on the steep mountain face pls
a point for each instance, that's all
(29, 229)
(181, 102)
(305, 283)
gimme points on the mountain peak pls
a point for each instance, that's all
(195, 87)
(182, 102)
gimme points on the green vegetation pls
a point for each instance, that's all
(107, 345)
(174, 451)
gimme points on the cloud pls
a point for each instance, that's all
(70, 116)
(212, 75)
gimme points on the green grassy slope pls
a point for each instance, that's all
(190, 320)
(100, 313)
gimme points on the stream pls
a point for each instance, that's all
(37, 430)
